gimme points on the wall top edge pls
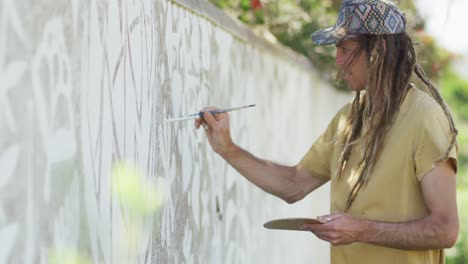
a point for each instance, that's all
(240, 31)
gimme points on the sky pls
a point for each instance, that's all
(444, 22)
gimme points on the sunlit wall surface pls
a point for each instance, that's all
(91, 173)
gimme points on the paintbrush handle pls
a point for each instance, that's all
(214, 112)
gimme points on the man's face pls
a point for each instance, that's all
(356, 74)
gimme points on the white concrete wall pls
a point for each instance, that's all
(91, 172)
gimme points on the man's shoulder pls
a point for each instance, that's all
(422, 111)
(421, 104)
(345, 110)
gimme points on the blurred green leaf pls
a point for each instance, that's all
(138, 194)
(67, 256)
(245, 5)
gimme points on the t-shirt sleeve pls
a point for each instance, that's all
(433, 139)
(317, 160)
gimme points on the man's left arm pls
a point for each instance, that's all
(439, 229)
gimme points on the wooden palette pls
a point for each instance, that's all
(291, 223)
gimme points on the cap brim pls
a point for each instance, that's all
(327, 36)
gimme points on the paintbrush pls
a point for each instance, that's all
(213, 112)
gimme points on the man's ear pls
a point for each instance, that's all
(375, 55)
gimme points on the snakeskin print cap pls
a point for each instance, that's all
(376, 17)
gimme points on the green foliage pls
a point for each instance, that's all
(460, 251)
(292, 22)
(455, 92)
(137, 194)
(64, 255)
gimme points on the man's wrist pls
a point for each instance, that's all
(368, 229)
(229, 151)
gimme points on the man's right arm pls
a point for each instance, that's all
(290, 183)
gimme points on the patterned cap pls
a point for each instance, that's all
(376, 17)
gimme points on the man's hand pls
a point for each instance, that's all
(217, 130)
(339, 229)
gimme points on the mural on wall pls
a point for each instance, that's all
(91, 173)
(11, 73)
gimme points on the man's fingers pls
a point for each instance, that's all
(197, 123)
(329, 217)
(313, 227)
(201, 122)
(322, 234)
(217, 117)
(324, 218)
(209, 118)
(221, 116)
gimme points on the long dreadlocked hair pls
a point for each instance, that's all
(392, 61)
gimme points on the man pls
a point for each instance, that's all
(390, 154)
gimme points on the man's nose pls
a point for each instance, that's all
(339, 59)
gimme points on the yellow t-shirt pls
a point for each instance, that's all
(419, 136)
